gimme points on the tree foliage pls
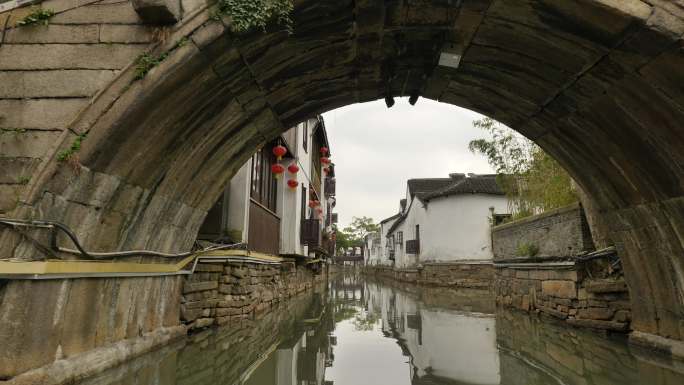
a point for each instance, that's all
(354, 234)
(533, 181)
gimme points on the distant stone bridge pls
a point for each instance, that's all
(599, 84)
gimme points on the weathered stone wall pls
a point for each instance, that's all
(569, 294)
(556, 233)
(79, 315)
(48, 74)
(71, 316)
(464, 275)
(219, 293)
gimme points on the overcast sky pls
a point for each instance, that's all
(376, 150)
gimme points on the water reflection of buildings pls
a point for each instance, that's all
(302, 357)
(444, 346)
(448, 337)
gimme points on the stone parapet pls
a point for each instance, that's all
(562, 232)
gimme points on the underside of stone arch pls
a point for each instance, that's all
(599, 84)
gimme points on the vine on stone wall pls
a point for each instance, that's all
(250, 14)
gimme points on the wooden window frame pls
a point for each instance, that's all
(263, 185)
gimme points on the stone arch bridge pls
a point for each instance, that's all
(599, 84)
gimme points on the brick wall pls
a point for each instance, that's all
(557, 233)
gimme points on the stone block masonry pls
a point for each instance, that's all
(557, 233)
(474, 275)
(579, 294)
(221, 293)
(561, 279)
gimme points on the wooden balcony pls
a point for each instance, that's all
(264, 229)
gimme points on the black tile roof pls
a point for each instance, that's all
(474, 184)
(427, 185)
(395, 216)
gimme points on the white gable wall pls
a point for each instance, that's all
(458, 227)
(416, 215)
(384, 228)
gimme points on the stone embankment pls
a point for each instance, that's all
(479, 275)
(220, 293)
(216, 294)
(569, 295)
(560, 275)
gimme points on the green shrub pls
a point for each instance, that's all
(38, 16)
(526, 249)
(249, 14)
(67, 154)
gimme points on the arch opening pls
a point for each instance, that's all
(597, 84)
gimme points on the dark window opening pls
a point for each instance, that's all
(305, 136)
(305, 203)
(264, 186)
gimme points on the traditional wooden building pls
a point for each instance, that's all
(281, 201)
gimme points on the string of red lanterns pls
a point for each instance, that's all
(278, 169)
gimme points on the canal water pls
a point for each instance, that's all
(358, 332)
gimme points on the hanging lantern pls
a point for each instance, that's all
(324, 151)
(317, 203)
(293, 168)
(293, 184)
(279, 151)
(325, 160)
(312, 203)
(277, 169)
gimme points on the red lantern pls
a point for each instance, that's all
(292, 183)
(324, 150)
(293, 168)
(317, 203)
(279, 151)
(325, 160)
(277, 169)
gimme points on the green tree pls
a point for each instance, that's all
(354, 234)
(533, 180)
